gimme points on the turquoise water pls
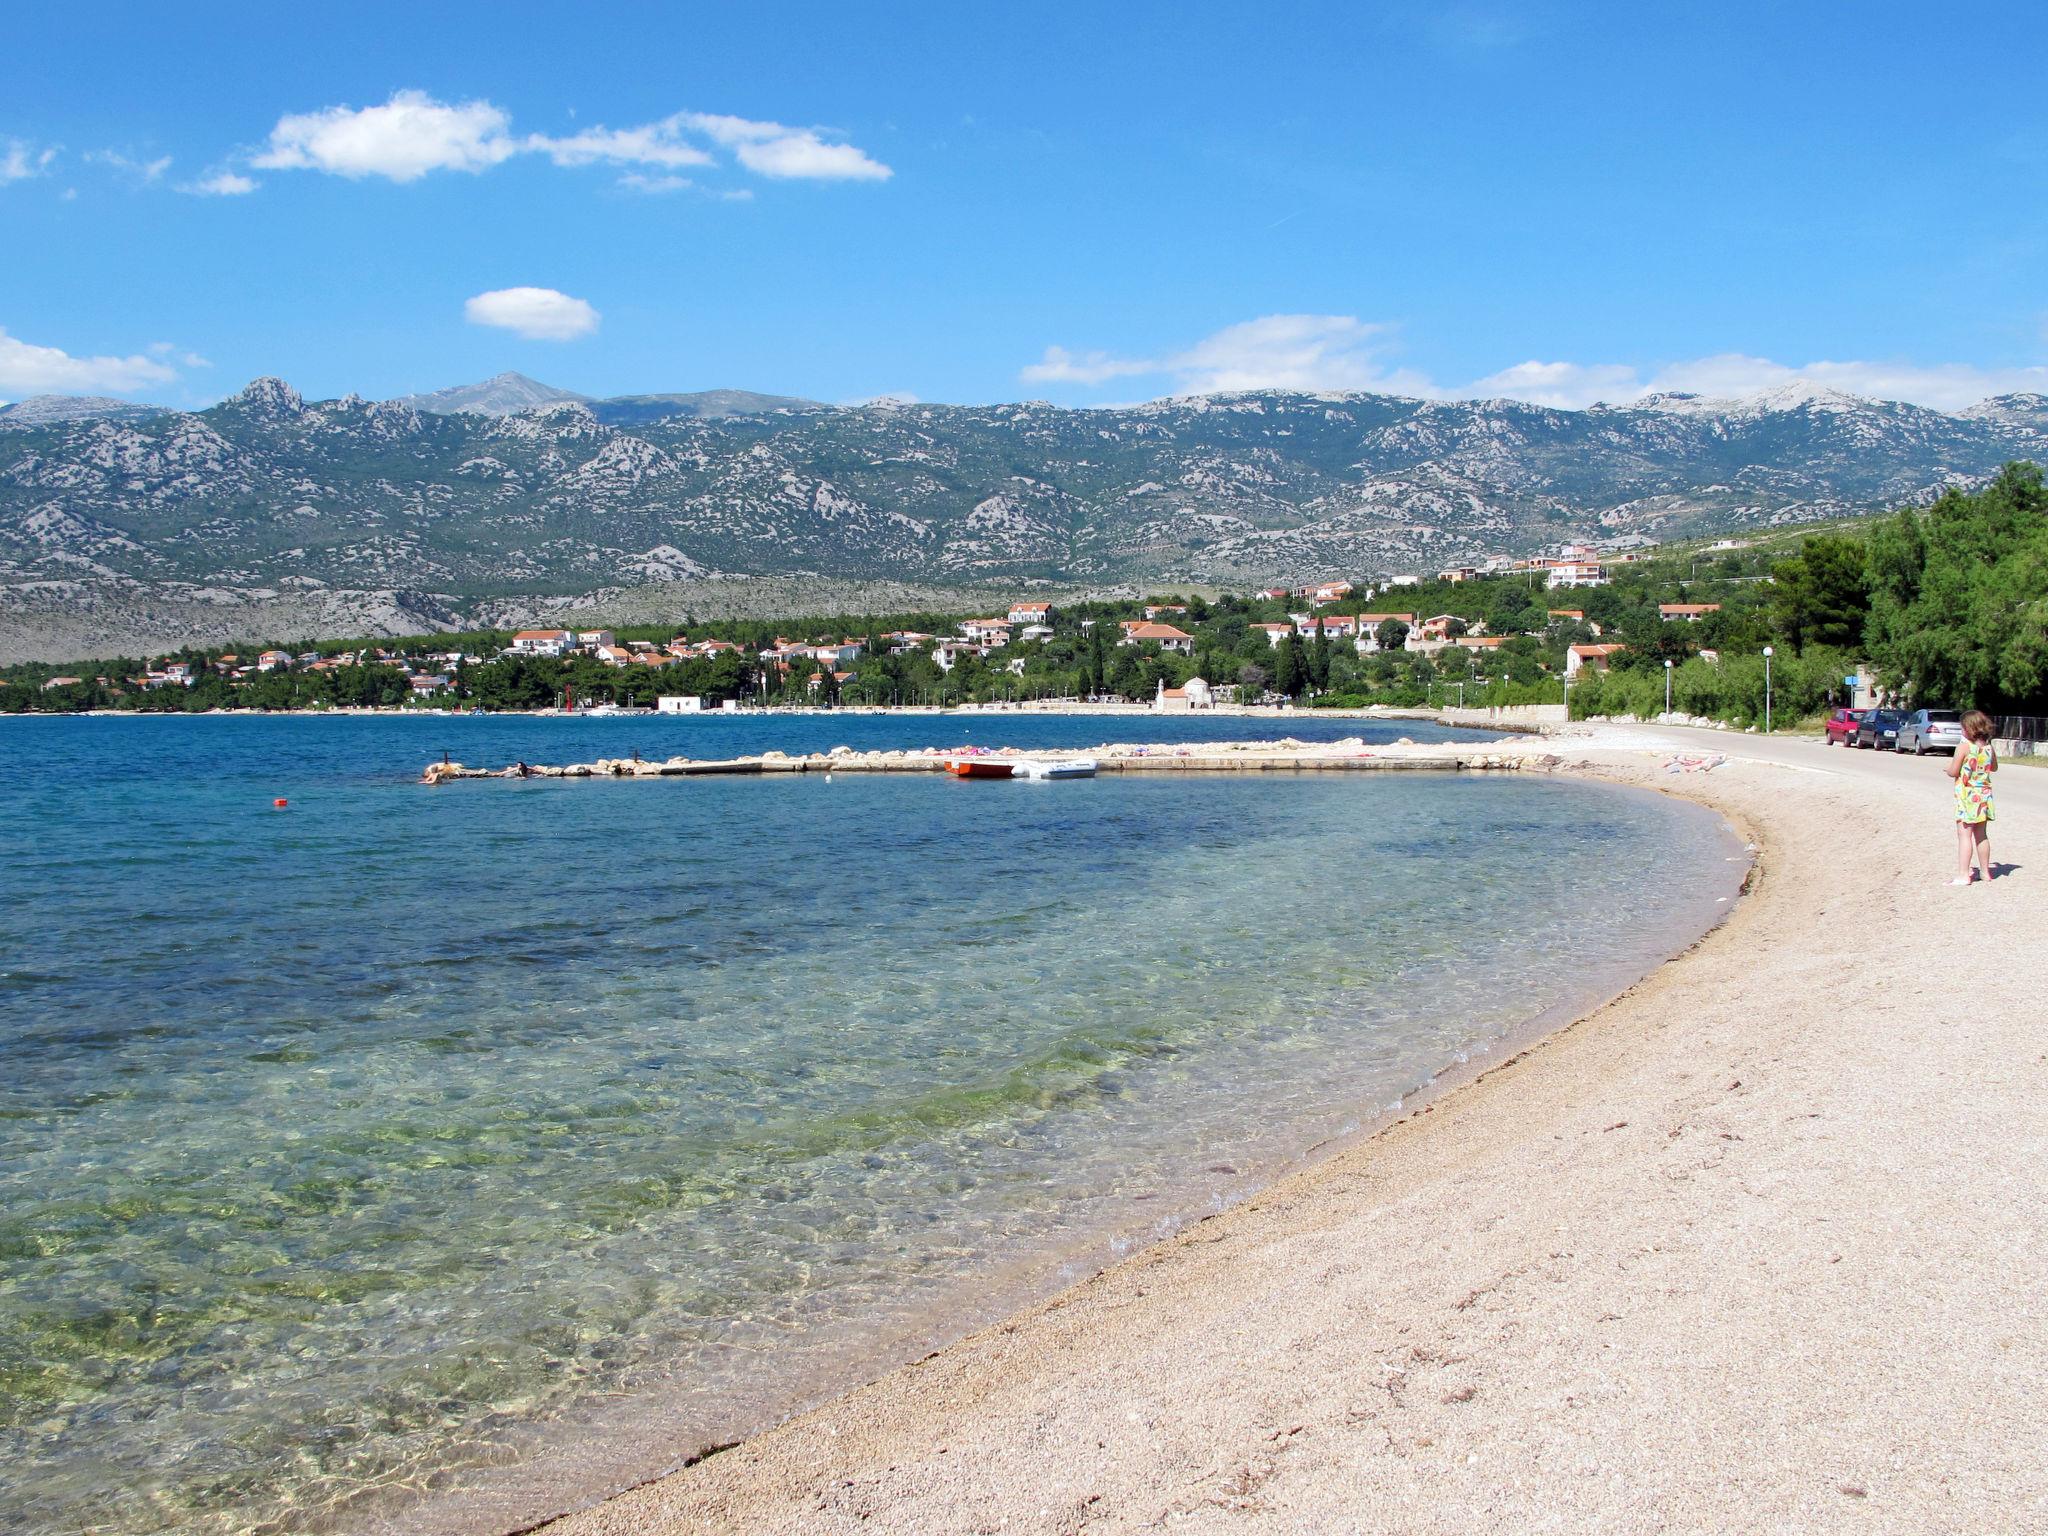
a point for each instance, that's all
(391, 1132)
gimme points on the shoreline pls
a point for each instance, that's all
(1035, 1283)
(1025, 1286)
(1287, 755)
(1476, 717)
(1031, 1423)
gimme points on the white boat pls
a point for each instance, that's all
(1063, 768)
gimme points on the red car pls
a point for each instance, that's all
(1841, 726)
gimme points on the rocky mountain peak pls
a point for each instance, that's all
(268, 397)
(500, 395)
(47, 410)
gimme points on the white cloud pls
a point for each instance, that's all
(1059, 366)
(658, 144)
(1733, 375)
(31, 370)
(413, 134)
(1316, 353)
(408, 136)
(640, 181)
(1306, 352)
(142, 170)
(221, 184)
(171, 349)
(538, 314)
(1567, 386)
(772, 149)
(805, 155)
(19, 160)
(1312, 352)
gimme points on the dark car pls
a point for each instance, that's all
(1878, 729)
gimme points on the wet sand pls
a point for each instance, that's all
(1757, 1246)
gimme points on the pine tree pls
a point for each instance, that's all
(1290, 669)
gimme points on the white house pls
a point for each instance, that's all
(1578, 658)
(1165, 636)
(1685, 613)
(986, 631)
(1369, 629)
(836, 654)
(1336, 625)
(543, 642)
(946, 652)
(1194, 694)
(1030, 613)
(679, 704)
(1576, 573)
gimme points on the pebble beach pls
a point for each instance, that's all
(1755, 1246)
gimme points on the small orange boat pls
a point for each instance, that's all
(979, 768)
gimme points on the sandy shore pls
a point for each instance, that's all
(1757, 1247)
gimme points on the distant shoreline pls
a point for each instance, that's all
(1452, 717)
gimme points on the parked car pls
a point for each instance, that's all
(1878, 729)
(1841, 726)
(1931, 730)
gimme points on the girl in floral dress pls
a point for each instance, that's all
(1971, 768)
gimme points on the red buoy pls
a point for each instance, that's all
(280, 802)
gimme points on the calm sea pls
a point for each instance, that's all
(383, 1142)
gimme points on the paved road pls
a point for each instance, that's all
(2023, 785)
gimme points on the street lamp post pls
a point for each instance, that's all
(1667, 685)
(1767, 690)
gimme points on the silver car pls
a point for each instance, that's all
(1931, 730)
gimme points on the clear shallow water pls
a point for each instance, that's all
(346, 1142)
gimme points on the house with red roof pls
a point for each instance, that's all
(543, 642)
(1165, 636)
(1579, 658)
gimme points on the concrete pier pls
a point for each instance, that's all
(1285, 756)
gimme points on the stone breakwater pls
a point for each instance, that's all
(1285, 755)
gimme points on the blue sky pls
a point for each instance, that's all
(976, 203)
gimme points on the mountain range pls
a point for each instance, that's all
(271, 515)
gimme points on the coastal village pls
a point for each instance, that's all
(1509, 631)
